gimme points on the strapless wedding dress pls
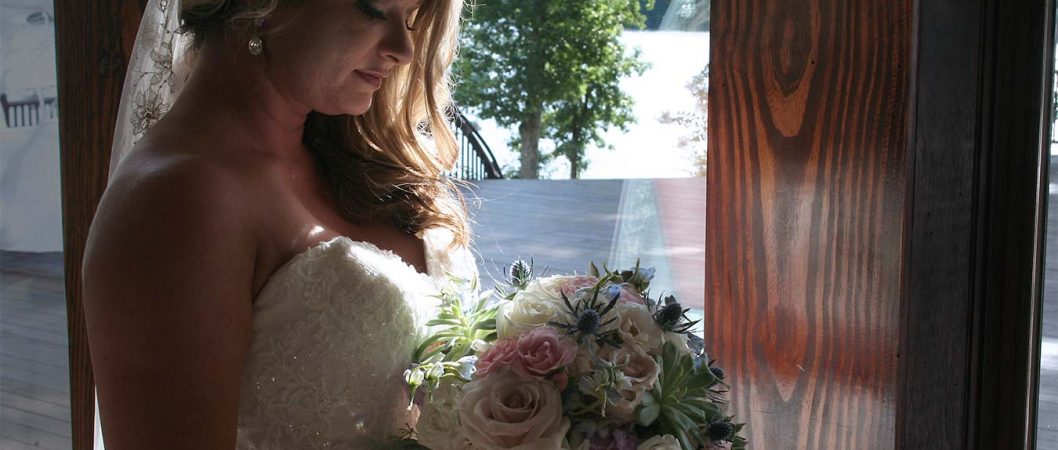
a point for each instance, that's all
(333, 331)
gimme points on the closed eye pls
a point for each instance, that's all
(369, 10)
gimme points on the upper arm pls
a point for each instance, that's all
(168, 276)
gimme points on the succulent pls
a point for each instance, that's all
(686, 402)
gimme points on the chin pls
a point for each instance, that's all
(355, 106)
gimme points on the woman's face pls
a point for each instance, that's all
(332, 55)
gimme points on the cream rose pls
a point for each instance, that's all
(637, 326)
(665, 442)
(640, 370)
(535, 306)
(438, 427)
(502, 411)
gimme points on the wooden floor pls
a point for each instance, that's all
(560, 224)
(34, 375)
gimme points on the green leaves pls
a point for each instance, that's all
(446, 353)
(684, 401)
(556, 58)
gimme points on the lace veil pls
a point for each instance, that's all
(158, 67)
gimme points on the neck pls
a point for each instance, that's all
(229, 91)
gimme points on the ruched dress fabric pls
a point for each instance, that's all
(333, 331)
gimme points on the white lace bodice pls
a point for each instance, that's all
(334, 329)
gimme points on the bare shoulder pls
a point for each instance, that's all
(167, 286)
(169, 206)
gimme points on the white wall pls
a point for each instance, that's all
(30, 207)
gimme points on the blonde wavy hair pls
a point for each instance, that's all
(390, 162)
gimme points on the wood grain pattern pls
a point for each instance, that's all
(806, 179)
(93, 41)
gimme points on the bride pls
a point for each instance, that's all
(263, 258)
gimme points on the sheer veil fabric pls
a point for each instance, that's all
(158, 66)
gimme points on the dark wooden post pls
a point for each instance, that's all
(93, 41)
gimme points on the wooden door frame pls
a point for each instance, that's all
(93, 42)
(975, 224)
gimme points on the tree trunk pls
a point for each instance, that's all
(574, 160)
(576, 150)
(529, 130)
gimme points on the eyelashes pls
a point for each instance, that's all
(372, 12)
(369, 10)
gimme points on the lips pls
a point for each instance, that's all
(374, 79)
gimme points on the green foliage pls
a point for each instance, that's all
(552, 68)
(447, 353)
(685, 399)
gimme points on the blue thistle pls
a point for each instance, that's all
(720, 431)
(589, 316)
(671, 316)
(588, 322)
(520, 273)
(717, 372)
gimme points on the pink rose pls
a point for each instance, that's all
(640, 370)
(504, 411)
(503, 353)
(542, 351)
(575, 283)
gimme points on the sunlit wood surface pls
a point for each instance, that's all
(806, 160)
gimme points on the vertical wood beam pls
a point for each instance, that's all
(93, 42)
(976, 216)
(806, 187)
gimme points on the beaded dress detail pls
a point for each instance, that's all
(333, 331)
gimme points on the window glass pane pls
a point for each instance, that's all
(1047, 420)
(639, 194)
(34, 374)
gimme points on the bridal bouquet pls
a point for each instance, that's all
(567, 362)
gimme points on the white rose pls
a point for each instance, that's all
(680, 340)
(502, 411)
(550, 286)
(538, 304)
(666, 442)
(438, 427)
(636, 325)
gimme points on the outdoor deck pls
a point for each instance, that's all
(561, 224)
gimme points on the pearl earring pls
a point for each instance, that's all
(256, 46)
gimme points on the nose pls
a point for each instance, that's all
(397, 46)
